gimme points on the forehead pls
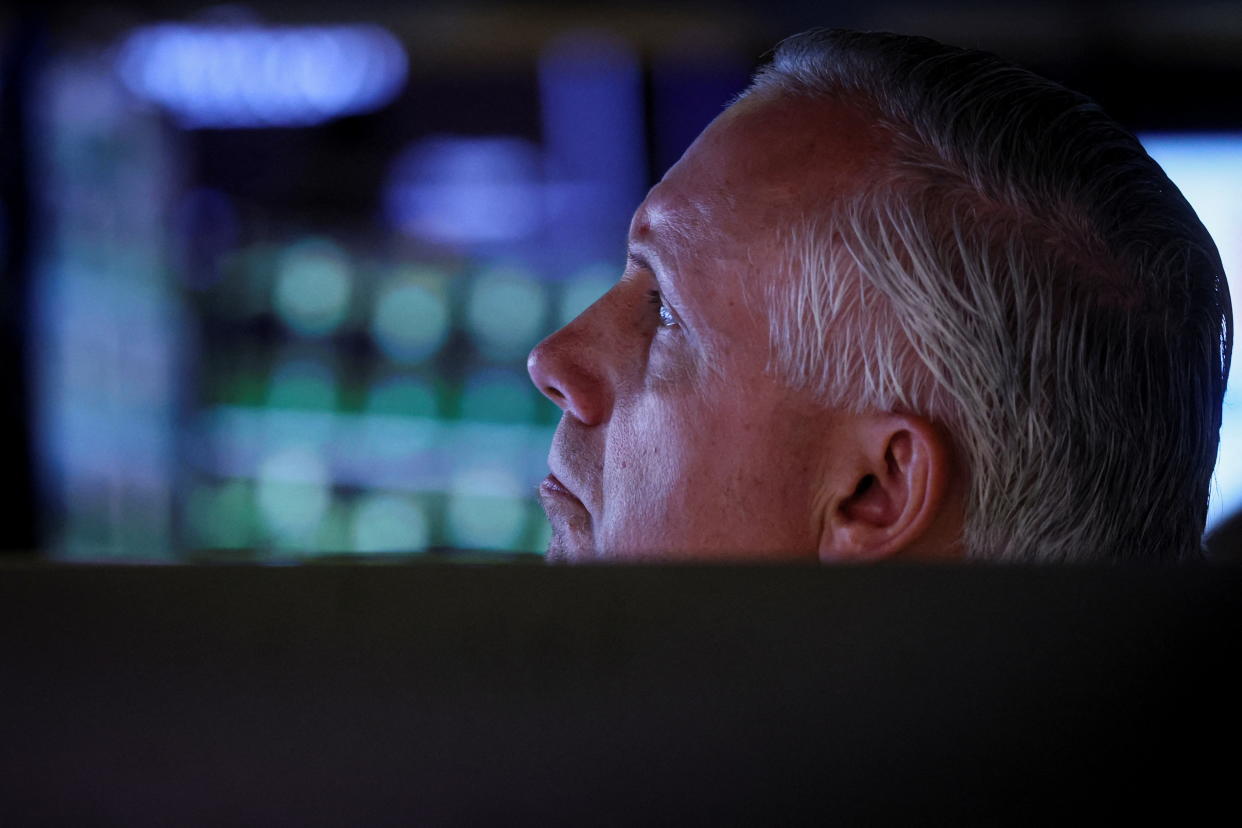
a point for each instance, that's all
(718, 214)
(764, 158)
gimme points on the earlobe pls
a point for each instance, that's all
(892, 493)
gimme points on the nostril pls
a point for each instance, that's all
(545, 372)
(558, 368)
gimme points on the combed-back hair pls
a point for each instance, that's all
(1022, 272)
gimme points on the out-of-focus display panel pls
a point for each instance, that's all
(293, 274)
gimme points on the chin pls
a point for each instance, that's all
(557, 552)
(565, 549)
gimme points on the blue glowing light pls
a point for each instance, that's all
(591, 102)
(457, 190)
(230, 75)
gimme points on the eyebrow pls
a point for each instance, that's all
(638, 259)
(643, 254)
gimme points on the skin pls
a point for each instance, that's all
(675, 442)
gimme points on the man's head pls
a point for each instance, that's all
(899, 299)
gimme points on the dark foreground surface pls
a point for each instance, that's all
(438, 695)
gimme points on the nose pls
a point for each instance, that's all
(566, 369)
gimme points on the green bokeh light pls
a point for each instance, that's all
(411, 320)
(486, 522)
(505, 313)
(313, 285)
(583, 289)
(293, 495)
(486, 510)
(389, 522)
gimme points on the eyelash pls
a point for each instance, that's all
(666, 316)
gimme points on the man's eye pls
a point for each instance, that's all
(666, 316)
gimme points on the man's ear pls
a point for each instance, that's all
(888, 493)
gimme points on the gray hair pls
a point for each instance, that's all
(1023, 273)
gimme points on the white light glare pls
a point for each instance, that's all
(229, 76)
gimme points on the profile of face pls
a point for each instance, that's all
(677, 440)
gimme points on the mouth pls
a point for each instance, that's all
(551, 486)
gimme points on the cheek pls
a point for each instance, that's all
(720, 472)
(685, 474)
(670, 371)
(646, 437)
(649, 456)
